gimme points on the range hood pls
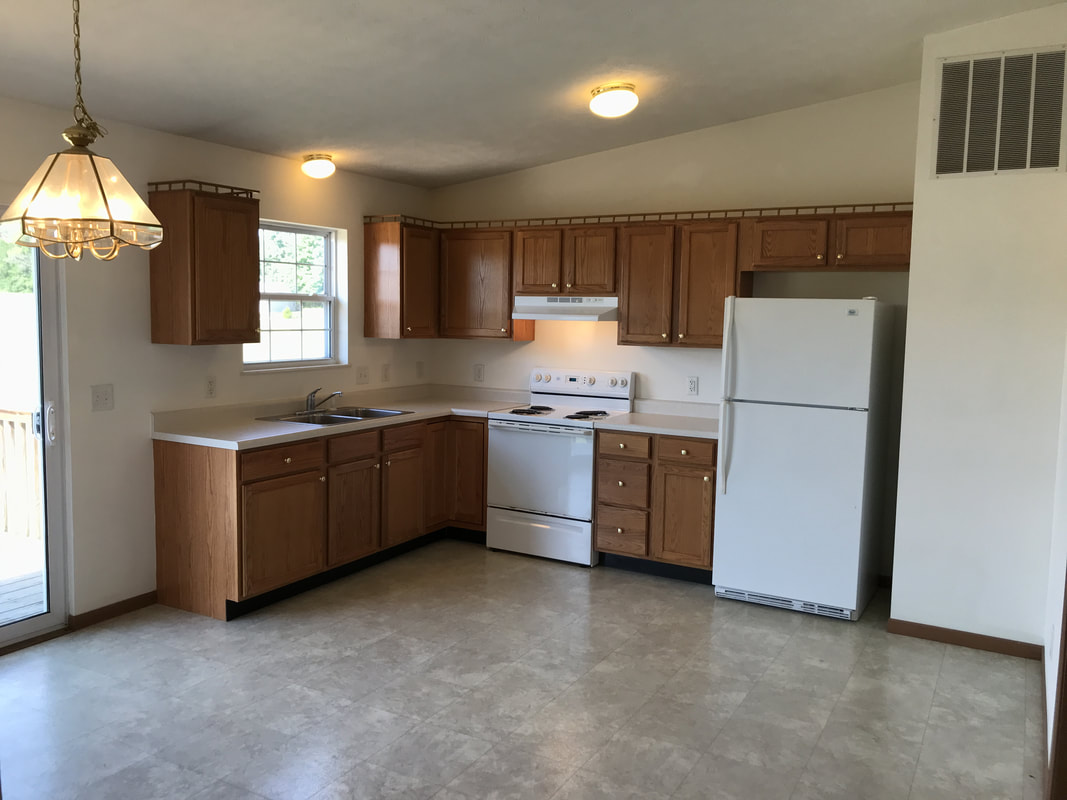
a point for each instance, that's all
(558, 307)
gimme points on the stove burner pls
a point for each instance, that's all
(593, 413)
(541, 408)
(525, 412)
(578, 416)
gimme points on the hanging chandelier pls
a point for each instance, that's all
(78, 201)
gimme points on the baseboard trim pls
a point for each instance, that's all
(22, 644)
(97, 615)
(976, 641)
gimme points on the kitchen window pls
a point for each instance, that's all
(298, 299)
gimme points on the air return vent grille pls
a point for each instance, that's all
(1001, 113)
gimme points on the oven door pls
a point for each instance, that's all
(544, 468)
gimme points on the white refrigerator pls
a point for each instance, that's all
(800, 476)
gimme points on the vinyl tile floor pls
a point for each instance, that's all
(461, 674)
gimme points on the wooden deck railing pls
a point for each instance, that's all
(20, 475)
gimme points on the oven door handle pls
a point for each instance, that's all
(539, 428)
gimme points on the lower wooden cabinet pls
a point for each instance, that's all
(466, 462)
(283, 531)
(354, 510)
(655, 497)
(435, 464)
(402, 504)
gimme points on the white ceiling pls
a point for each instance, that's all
(434, 92)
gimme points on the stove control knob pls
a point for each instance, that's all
(613, 382)
(623, 381)
(537, 377)
(547, 377)
(592, 380)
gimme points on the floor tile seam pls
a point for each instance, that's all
(926, 728)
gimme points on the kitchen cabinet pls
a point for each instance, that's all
(401, 270)
(538, 261)
(402, 490)
(707, 275)
(355, 490)
(467, 442)
(435, 460)
(646, 283)
(577, 260)
(205, 275)
(283, 531)
(476, 286)
(784, 242)
(872, 241)
(655, 497)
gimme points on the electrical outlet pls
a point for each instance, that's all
(387, 373)
(479, 373)
(693, 384)
(209, 386)
(362, 374)
(420, 370)
(103, 397)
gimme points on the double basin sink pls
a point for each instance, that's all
(335, 416)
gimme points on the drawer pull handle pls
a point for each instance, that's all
(685, 452)
(620, 483)
(323, 479)
(288, 460)
(618, 530)
(622, 446)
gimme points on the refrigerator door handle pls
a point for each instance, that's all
(727, 349)
(723, 467)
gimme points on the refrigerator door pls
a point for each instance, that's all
(789, 524)
(807, 352)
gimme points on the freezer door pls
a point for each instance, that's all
(790, 521)
(808, 352)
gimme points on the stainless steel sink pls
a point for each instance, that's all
(367, 413)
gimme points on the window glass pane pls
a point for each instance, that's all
(279, 278)
(257, 352)
(284, 315)
(284, 345)
(310, 279)
(279, 246)
(264, 315)
(314, 316)
(315, 344)
(310, 249)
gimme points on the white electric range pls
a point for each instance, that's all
(540, 485)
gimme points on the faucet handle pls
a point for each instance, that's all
(314, 392)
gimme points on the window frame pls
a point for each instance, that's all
(330, 298)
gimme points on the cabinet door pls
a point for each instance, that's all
(646, 273)
(777, 242)
(476, 284)
(707, 270)
(467, 466)
(589, 260)
(419, 300)
(435, 456)
(283, 531)
(537, 261)
(226, 269)
(402, 493)
(355, 510)
(682, 515)
(881, 242)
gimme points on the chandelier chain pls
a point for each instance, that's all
(81, 114)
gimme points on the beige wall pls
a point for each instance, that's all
(111, 536)
(982, 375)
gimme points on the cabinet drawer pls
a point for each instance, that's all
(283, 460)
(623, 483)
(698, 452)
(626, 445)
(352, 446)
(403, 437)
(622, 530)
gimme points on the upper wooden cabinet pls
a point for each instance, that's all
(476, 286)
(707, 275)
(879, 241)
(578, 260)
(646, 283)
(205, 274)
(400, 280)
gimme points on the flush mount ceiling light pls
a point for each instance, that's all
(613, 99)
(77, 200)
(318, 165)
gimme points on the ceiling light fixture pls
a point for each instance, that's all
(613, 99)
(77, 200)
(318, 165)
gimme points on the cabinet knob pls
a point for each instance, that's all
(685, 452)
(377, 466)
(323, 479)
(620, 483)
(388, 463)
(818, 257)
(840, 256)
(503, 330)
(618, 530)
(553, 286)
(681, 336)
(569, 285)
(663, 335)
(707, 479)
(622, 446)
(288, 460)
(408, 329)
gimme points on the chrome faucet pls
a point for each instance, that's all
(310, 404)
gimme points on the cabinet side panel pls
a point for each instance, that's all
(381, 280)
(196, 527)
(170, 274)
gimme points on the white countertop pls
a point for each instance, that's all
(666, 424)
(237, 427)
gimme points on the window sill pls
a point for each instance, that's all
(256, 369)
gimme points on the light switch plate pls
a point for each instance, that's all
(103, 397)
(479, 373)
(387, 373)
(210, 386)
(362, 374)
